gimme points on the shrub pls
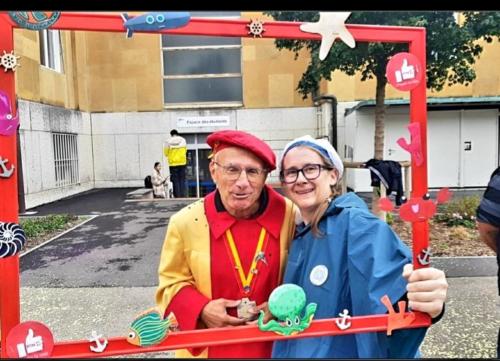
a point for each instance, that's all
(39, 226)
(460, 212)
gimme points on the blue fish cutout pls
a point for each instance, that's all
(155, 21)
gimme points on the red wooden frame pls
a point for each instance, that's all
(9, 208)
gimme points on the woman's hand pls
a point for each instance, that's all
(427, 289)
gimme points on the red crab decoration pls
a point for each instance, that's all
(417, 209)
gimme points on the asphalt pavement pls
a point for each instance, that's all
(103, 273)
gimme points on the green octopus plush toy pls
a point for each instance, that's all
(286, 303)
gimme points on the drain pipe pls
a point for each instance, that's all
(333, 102)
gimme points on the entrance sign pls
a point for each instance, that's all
(212, 121)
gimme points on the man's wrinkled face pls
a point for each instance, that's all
(240, 177)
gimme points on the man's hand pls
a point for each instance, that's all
(256, 311)
(427, 289)
(214, 313)
(488, 234)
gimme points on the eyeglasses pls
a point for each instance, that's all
(309, 171)
(233, 172)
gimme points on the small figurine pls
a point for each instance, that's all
(150, 328)
(286, 303)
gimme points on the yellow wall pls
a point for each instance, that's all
(38, 83)
(270, 76)
(117, 74)
(106, 72)
(487, 82)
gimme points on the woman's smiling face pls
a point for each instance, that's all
(308, 194)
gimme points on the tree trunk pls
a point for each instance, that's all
(379, 138)
(379, 117)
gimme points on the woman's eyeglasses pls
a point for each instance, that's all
(309, 171)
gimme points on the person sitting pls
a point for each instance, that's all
(158, 182)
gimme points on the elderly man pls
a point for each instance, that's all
(223, 255)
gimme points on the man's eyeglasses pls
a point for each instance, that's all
(233, 172)
(309, 171)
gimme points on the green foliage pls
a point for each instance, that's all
(451, 48)
(389, 218)
(39, 226)
(461, 212)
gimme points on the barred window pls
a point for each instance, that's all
(66, 159)
(202, 69)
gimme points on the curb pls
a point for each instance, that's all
(478, 266)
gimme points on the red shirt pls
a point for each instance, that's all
(188, 302)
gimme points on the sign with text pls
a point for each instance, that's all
(211, 121)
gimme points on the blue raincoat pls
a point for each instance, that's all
(364, 260)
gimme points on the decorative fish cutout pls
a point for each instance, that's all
(150, 328)
(155, 21)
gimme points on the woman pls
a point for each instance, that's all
(346, 258)
(158, 182)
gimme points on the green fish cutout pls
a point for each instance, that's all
(150, 328)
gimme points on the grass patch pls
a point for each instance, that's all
(40, 226)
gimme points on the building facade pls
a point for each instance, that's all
(96, 109)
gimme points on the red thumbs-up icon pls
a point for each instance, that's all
(404, 71)
(30, 340)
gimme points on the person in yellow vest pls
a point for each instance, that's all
(224, 254)
(175, 151)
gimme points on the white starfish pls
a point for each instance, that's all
(330, 26)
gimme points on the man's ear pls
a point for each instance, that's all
(211, 167)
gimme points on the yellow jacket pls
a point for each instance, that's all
(185, 256)
(175, 151)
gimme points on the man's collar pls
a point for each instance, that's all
(269, 215)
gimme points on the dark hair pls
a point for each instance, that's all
(174, 132)
(157, 163)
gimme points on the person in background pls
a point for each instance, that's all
(175, 151)
(345, 258)
(488, 224)
(158, 182)
(224, 254)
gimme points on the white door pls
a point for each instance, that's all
(479, 146)
(443, 148)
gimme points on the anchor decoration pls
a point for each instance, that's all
(4, 172)
(342, 323)
(415, 145)
(101, 342)
(35, 20)
(12, 239)
(331, 25)
(424, 256)
(8, 121)
(396, 320)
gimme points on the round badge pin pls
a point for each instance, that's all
(319, 275)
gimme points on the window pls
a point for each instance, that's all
(66, 159)
(202, 69)
(51, 50)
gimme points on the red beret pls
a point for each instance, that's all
(227, 138)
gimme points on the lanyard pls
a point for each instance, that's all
(246, 280)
